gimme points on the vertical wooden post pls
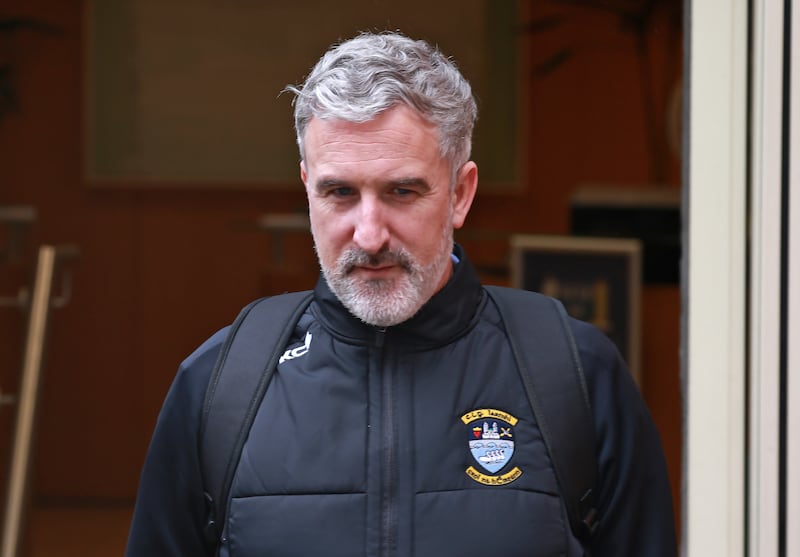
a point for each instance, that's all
(27, 398)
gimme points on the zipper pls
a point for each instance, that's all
(388, 522)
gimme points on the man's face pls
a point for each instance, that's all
(382, 211)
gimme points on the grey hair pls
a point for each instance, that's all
(360, 78)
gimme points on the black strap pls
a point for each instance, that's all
(547, 356)
(238, 382)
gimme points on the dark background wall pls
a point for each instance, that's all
(161, 269)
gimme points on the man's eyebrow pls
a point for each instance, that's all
(410, 181)
(324, 184)
(327, 183)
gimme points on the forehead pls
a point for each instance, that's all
(396, 134)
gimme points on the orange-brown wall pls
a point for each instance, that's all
(160, 269)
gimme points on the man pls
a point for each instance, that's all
(359, 447)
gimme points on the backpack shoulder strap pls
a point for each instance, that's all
(238, 382)
(549, 363)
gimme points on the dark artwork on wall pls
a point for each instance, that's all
(597, 280)
(653, 215)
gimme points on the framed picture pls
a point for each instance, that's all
(190, 92)
(597, 279)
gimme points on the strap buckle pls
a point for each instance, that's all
(590, 516)
(211, 531)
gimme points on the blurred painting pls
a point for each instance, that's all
(597, 279)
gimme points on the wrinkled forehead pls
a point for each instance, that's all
(390, 143)
(399, 122)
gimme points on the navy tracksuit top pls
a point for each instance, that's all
(415, 440)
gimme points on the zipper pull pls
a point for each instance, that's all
(380, 335)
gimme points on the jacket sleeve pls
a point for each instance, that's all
(170, 513)
(634, 497)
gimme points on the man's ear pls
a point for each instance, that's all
(303, 173)
(464, 192)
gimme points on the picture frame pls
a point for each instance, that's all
(184, 93)
(597, 279)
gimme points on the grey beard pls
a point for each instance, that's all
(384, 303)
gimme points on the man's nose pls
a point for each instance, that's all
(371, 231)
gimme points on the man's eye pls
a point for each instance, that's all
(342, 192)
(403, 192)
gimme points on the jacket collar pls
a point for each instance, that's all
(447, 315)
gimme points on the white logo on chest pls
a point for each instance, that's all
(293, 353)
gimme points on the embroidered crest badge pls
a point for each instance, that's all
(491, 442)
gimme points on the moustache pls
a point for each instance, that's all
(353, 258)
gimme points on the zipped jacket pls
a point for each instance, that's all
(413, 440)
